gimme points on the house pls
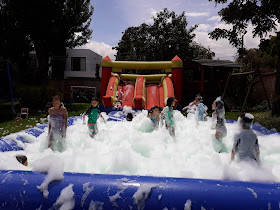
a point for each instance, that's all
(82, 69)
(82, 63)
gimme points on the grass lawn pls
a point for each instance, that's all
(35, 117)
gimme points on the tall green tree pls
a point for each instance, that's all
(166, 37)
(263, 15)
(48, 26)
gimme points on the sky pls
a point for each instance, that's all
(112, 17)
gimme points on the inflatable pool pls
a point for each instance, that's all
(103, 191)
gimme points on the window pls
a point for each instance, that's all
(78, 64)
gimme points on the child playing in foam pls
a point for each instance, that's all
(154, 116)
(219, 125)
(57, 124)
(92, 112)
(246, 145)
(201, 110)
(198, 108)
(168, 115)
(118, 99)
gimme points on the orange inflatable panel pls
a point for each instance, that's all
(161, 96)
(128, 93)
(139, 96)
(152, 96)
(169, 86)
(168, 89)
(109, 98)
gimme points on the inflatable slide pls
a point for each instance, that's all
(140, 91)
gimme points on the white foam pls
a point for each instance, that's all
(249, 116)
(133, 148)
(253, 193)
(66, 199)
(95, 205)
(53, 166)
(188, 205)
(87, 190)
(142, 194)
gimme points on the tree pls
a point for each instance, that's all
(264, 57)
(49, 26)
(166, 37)
(263, 15)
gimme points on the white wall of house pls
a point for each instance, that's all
(81, 63)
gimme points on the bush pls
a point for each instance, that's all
(266, 120)
(36, 97)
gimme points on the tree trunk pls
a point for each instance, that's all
(276, 98)
(59, 63)
(42, 54)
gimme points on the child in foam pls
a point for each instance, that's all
(198, 108)
(219, 125)
(168, 115)
(201, 110)
(154, 116)
(191, 108)
(246, 145)
(57, 124)
(129, 117)
(92, 112)
(118, 103)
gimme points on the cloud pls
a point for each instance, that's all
(214, 18)
(221, 47)
(197, 14)
(204, 27)
(223, 50)
(101, 48)
(152, 13)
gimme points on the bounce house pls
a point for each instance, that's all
(140, 91)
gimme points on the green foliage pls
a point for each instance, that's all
(267, 121)
(161, 41)
(263, 15)
(48, 26)
(78, 109)
(37, 97)
(264, 58)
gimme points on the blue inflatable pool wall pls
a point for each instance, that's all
(18, 189)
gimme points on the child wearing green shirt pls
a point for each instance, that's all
(92, 112)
